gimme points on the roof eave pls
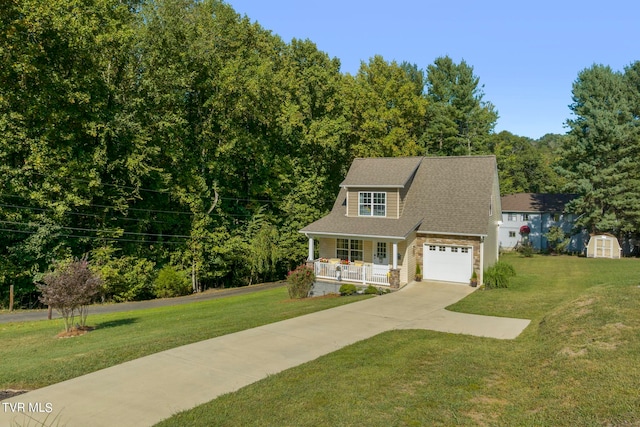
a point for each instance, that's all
(448, 233)
(369, 236)
(371, 186)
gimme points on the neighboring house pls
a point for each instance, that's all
(539, 212)
(392, 214)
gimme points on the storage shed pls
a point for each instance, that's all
(603, 246)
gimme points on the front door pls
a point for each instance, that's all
(381, 253)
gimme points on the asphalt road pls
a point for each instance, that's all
(29, 315)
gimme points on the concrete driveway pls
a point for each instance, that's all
(145, 391)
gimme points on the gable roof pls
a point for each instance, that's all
(535, 202)
(381, 172)
(448, 195)
(453, 194)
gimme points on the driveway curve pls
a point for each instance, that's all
(145, 391)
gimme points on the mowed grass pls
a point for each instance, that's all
(577, 364)
(31, 356)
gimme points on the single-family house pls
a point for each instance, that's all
(394, 214)
(537, 213)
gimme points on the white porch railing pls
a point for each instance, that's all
(365, 274)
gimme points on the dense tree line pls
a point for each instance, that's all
(177, 133)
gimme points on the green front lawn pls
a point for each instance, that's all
(31, 356)
(577, 364)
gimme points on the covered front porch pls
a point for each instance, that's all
(357, 272)
(352, 259)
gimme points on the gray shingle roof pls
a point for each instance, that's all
(449, 195)
(453, 194)
(535, 202)
(386, 172)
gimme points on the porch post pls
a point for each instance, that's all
(311, 249)
(394, 263)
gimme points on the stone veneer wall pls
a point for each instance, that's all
(435, 239)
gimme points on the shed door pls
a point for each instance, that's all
(604, 247)
(447, 263)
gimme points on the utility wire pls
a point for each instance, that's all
(97, 230)
(111, 239)
(128, 208)
(155, 221)
(168, 192)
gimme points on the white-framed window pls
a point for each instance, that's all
(464, 250)
(442, 248)
(349, 249)
(454, 249)
(512, 234)
(557, 217)
(525, 217)
(372, 203)
(512, 217)
(432, 247)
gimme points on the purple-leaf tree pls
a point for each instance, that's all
(70, 288)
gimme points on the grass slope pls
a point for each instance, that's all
(31, 356)
(576, 364)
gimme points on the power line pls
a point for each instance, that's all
(85, 214)
(97, 230)
(168, 192)
(114, 185)
(110, 239)
(128, 208)
(109, 207)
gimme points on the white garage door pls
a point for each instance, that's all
(447, 263)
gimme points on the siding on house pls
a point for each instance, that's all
(539, 212)
(491, 242)
(407, 274)
(539, 224)
(392, 198)
(327, 247)
(367, 246)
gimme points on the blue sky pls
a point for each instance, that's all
(527, 54)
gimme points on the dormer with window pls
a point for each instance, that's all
(378, 192)
(372, 203)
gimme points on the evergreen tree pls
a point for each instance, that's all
(599, 160)
(459, 121)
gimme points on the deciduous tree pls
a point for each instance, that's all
(69, 288)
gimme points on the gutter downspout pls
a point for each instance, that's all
(481, 275)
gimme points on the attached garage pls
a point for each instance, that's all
(447, 263)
